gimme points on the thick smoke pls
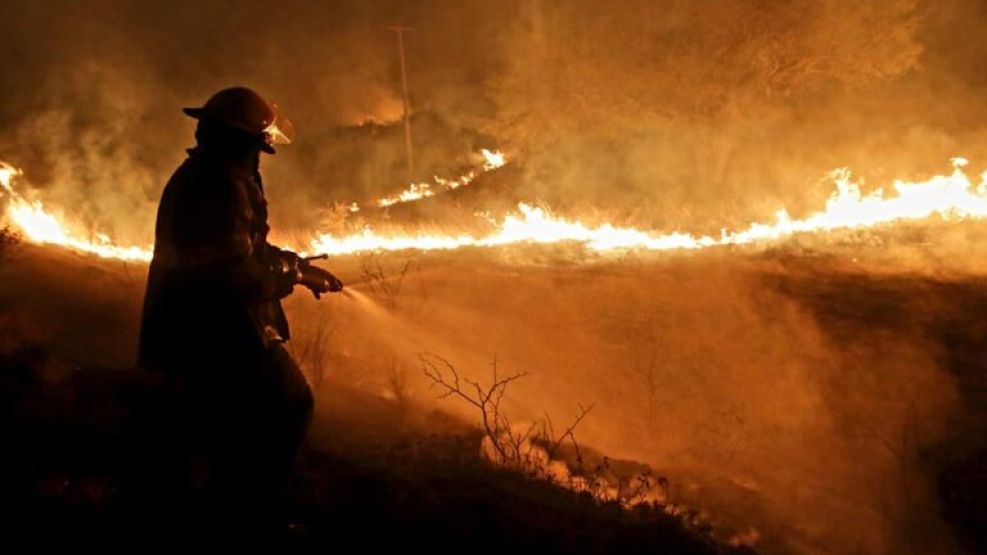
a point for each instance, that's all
(683, 115)
(677, 114)
(794, 402)
(710, 114)
(91, 105)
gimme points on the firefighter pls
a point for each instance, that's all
(213, 328)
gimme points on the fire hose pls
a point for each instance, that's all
(300, 270)
(316, 279)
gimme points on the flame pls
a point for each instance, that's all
(40, 226)
(950, 197)
(7, 175)
(415, 191)
(492, 159)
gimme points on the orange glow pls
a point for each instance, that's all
(40, 226)
(492, 160)
(950, 197)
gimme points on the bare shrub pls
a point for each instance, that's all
(496, 425)
(537, 448)
(338, 219)
(386, 289)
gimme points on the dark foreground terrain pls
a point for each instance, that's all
(82, 467)
(83, 460)
(830, 408)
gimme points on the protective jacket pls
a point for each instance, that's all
(214, 289)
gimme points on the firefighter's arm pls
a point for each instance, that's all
(226, 244)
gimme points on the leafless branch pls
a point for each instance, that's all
(496, 425)
(533, 449)
(569, 432)
(384, 287)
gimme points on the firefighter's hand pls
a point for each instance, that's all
(319, 281)
(287, 272)
(334, 283)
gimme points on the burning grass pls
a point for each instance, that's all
(951, 197)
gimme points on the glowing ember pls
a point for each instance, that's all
(950, 197)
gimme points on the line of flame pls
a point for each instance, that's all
(40, 226)
(492, 159)
(951, 197)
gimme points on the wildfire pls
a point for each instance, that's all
(7, 174)
(953, 196)
(416, 191)
(950, 196)
(41, 226)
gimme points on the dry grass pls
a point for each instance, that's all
(9, 239)
(545, 453)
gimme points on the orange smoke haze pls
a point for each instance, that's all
(784, 364)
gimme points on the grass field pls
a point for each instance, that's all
(803, 402)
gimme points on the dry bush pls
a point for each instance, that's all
(541, 451)
(384, 288)
(496, 425)
(338, 219)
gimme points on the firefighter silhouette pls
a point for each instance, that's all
(213, 328)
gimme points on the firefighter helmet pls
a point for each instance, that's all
(244, 109)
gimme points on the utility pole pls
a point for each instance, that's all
(399, 30)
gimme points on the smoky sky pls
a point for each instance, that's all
(91, 108)
(674, 114)
(329, 63)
